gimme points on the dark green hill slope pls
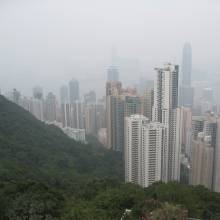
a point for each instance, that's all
(30, 149)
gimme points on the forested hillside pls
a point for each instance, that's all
(30, 149)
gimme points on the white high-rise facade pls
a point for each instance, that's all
(144, 145)
(166, 111)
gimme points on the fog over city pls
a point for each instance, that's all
(109, 109)
(49, 42)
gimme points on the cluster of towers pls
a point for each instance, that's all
(161, 133)
(165, 130)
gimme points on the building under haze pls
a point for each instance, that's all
(91, 119)
(144, 144)
(205, 162)
(202, 161)
(112, 73)
(147, 102)
(50, 107)
(65, 114)
(186, 90)
(120, 103)
(165, 111)
(77, 119)
(38, 92)
(37, 108)
(90, 98)
(64, 97)
(73, 91)
(187, 64)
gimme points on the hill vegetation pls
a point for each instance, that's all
(32, 150)
(44, 175)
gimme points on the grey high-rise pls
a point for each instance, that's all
(186, 90)
(166, 111)
(187, 65)
(50, 107)
(112, 73)
(64, 94)
(73, 91)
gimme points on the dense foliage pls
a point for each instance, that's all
(44, 175)
(30, 149)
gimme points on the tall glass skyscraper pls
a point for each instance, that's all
(186, 91)
(73, 91)
(187, 64)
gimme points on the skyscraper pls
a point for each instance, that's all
(147, 101)
(186, 130)
(91, 119)
(119, 104)
(38, 92)
(205, 160)
(186, 91)
(64, 94)
(37, 103)
(202, 161)
(115, 122)
(73, 91)
(143, 150)
(112, 73)
(50, 107)
(65, 114)
(166, 111)
(37, 108)
(16, 95)
(187, 64)
(77, 115)
(113, 90)
(90, 98)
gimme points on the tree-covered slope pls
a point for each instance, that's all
(30, 149)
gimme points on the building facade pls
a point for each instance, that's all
(144, 145)
(165, 111)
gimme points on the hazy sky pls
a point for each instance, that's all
(48, 42)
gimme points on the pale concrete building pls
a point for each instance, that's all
(144, 144)
(165, 110)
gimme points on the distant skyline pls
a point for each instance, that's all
(49, 42)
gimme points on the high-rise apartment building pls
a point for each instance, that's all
(202, 161)
(64, 94)
(90, 98)
(37, 108)
(73, 91)
(206, 145)
(186, 130)
(16, 95)
(119, 104)
(77, 117)
(101, 116)
(37, 103)
(65, 114)
(216, 175)
(144, 144)
(50, 107)
(165, 110)
(38, 92)
(115, 122)
(147, 102)
(197, 125)
(91, 119)
(113, 90)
